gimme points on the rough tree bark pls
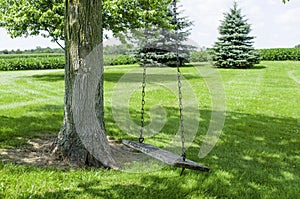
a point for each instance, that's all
(82, 139)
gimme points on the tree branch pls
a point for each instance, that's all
(60, 45)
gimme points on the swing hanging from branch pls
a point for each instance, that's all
(153, 151)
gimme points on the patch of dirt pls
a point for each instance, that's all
(39, 153)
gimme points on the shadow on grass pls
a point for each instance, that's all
(137, 77)
(115, 77)
(257, 156)
(256, 67)
(51, 77)
(150, 186)
(15, 132)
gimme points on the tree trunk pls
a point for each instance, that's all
(82, 139)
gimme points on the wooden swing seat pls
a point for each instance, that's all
(165, 156)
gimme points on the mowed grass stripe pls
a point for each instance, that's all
(22, 88)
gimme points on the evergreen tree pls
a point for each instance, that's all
(159, 46)
(234, 46)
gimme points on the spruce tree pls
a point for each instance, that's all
(160, 48)
(234, 47)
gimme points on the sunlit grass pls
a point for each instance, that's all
(256, 156)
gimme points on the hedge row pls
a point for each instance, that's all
(280, 54)
(272, 54)
(110, 60)
(52, 61)
(32, 63)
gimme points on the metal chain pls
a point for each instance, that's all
(179, 81)
(141, 138)
(181, 114)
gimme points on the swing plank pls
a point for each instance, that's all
(165, 156)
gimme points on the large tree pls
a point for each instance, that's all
(82, 139)
(234, 47)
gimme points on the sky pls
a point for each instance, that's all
(273, 24)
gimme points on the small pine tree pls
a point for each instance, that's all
(160, 47)
(234, 46)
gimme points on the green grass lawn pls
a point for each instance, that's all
(256, 156)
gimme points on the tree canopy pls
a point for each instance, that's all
(30, 17)
(46, 17)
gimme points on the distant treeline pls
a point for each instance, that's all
(38, 50)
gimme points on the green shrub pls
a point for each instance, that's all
(123, 60)
(199, 56)
(108, 59)
(280, 54)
